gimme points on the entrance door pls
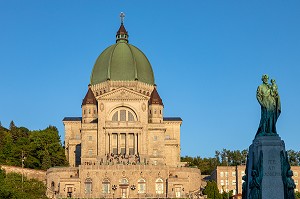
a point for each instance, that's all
(124, 184)
(124, 192)
(178, 192)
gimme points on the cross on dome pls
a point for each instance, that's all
(122, 34)
(122, 16)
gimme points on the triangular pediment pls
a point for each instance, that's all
(123, 94)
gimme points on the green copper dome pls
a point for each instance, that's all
(122, 62)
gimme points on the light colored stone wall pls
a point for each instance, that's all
(28, 173)
(72, 138)
(187, 179)
(156, 139)
(89, 113)
(155, 113)
(172, 142)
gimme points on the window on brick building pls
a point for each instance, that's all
(222, 182)
(233, 182)
(222, 174)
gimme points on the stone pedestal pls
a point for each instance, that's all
(265, 157)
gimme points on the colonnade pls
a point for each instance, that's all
(120, 143)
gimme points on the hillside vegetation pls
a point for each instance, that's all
(41, 149)
(11, 187)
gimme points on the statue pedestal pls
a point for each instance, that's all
(265, 157)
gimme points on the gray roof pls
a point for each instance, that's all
(72, 119)
(172, 119)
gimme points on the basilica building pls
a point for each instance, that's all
(122, 146)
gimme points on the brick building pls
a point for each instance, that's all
(230, 178)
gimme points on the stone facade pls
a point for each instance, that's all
(123, 146)
(130, 181)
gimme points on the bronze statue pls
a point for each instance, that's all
(269, 100)
(255, 188)
(290, 185)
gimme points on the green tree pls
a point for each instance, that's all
(297, 195)
(206, 165)
(45, 146)
(12, 125)
(294, 157)
(12, 187)
(232, 158)
(212, 191)
(42, 148)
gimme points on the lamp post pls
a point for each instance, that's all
(23, 159)
(114, 187)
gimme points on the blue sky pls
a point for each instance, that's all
(207, 57)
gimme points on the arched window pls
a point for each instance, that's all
(141, 186)
(115, 117)
(124, 115)
(105, 186)
(88, 185)
(159, 186)
(130, 117)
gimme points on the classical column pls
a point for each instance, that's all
(106, 143)
(119, 143)
(127, 143)
(109, 143)
(135, 143)
(139, 143)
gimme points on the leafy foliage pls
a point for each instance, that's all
(224, 157)
(206, 165)
(231, 158)
(42, 149)
(297, 195)
(294, 157)
(212, 191)
(11, 187)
